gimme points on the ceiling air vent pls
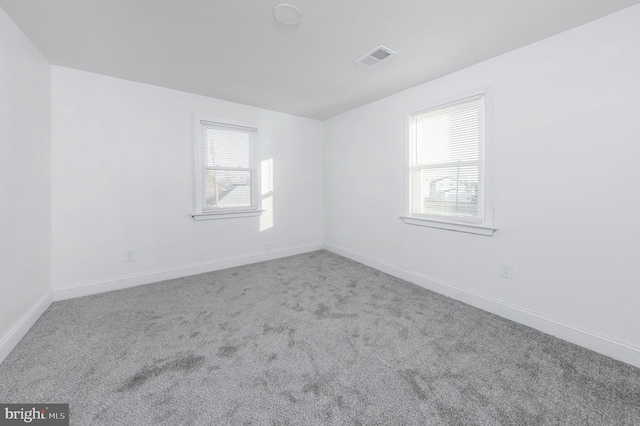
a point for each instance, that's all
(378, 54)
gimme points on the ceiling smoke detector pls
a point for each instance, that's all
(287, 14)
(373, 57)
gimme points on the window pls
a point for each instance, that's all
(226, 178)
(449, 185)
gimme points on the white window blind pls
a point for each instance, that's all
(227, 168)
(448, 162)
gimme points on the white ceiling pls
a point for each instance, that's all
(235, 50)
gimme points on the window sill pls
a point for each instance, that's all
(226, 215)
(469, 228)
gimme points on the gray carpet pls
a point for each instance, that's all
(314, 339)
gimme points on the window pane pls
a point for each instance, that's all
(226, 147)
(451, 134)
(225, 188)
(450, 191)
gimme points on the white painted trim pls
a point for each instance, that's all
(226, 215)
(621, 351)
(126, 281)
(13, 337)
(254, 169)
(488, 158)
(469, 228)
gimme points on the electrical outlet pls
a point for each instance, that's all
(128, 255)
(506, 270)
(267, 247)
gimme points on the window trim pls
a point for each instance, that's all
(254, 155)
(488, 226)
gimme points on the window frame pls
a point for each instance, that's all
(226, 212)
(487, 226)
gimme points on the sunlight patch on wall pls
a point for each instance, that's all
(266, 183)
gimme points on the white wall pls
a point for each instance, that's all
(25, 189)
(123, 177)
(567, 135)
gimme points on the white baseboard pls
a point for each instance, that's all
(126, 281)
(13, 337)
(596, 342)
